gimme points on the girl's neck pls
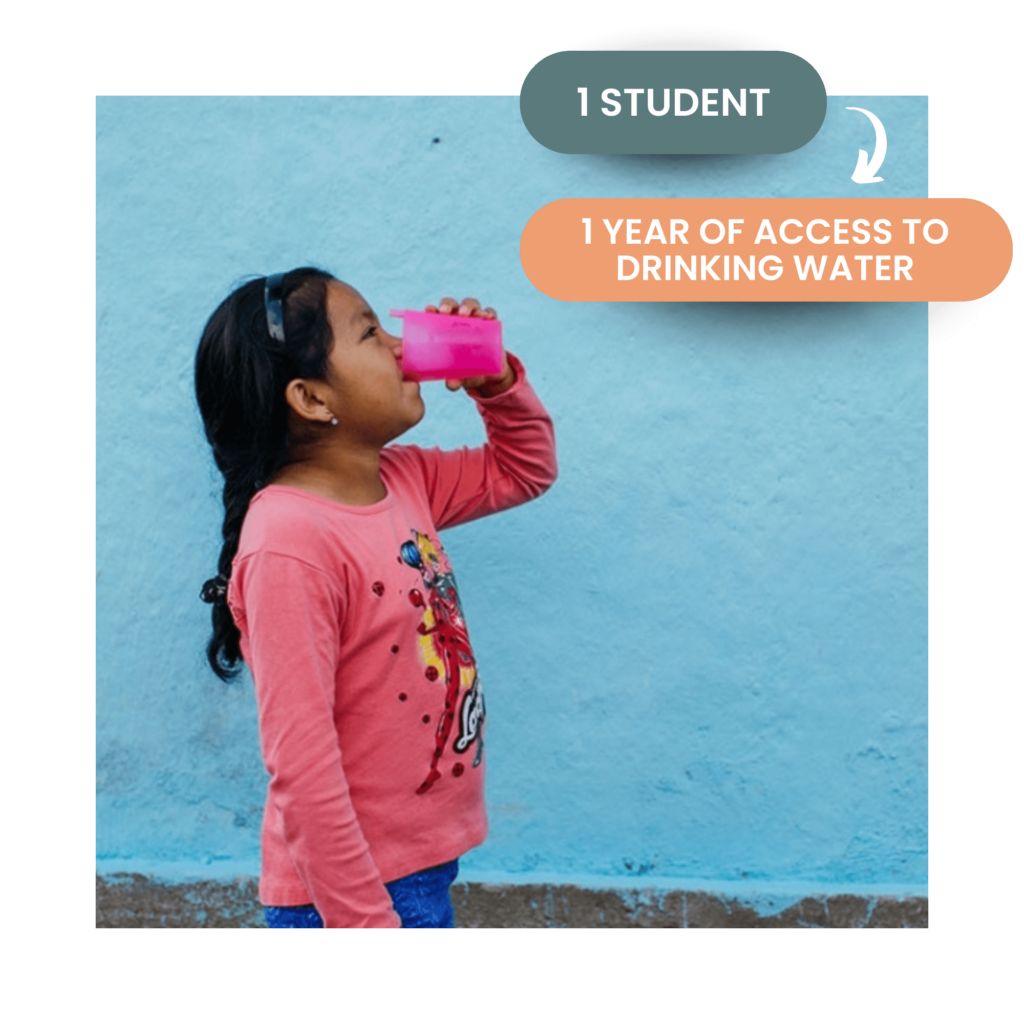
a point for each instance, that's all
(349, 476)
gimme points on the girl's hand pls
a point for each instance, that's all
(491, 386)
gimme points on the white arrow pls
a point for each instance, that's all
(864, 172)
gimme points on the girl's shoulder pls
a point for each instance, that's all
(289, 539)
(287, 521)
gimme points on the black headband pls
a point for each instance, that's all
(273, 293)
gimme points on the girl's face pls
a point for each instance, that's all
(368, 396)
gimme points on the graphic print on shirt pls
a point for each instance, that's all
(446, 652)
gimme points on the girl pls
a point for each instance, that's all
(335, 590)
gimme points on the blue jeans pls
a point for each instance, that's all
(421, 900)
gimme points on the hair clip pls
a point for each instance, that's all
(214, 591)
(273, 296)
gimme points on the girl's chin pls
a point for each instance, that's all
(422, 409)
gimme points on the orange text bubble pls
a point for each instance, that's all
(766, 250)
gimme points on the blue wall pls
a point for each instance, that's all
(704, 651)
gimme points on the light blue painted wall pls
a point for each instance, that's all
(704, 651)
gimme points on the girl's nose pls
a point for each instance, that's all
(395, 344)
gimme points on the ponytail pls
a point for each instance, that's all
(241, 374)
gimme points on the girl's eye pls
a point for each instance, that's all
(371, 331)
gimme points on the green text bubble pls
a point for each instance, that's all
(673, 101)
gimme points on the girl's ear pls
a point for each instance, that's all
(304, 399)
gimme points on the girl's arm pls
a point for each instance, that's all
(290, 615)
(516, 464)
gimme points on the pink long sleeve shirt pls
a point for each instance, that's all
(370, 707)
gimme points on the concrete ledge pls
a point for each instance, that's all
(127, 900)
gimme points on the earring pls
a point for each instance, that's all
(334, 421)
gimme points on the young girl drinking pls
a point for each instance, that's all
(335, 590)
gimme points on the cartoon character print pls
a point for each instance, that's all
(446, 651)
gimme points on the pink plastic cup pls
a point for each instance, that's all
(436, 346)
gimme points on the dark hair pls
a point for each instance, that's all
(241, 375)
